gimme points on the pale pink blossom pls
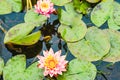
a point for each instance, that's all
(44, 7)
(52, 63)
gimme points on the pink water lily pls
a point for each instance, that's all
(44, 7)
(52, 63)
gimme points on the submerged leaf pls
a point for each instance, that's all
(60, 2)
(5, 7)
(114, 53)
(101, 12)
(79, 70)
(32, 17)
(15, 69)
(16, 5)
(81, 7)
(1, 65)
(95, 45)
(19, 32)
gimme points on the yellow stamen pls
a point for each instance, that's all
(50, 62)
(44, 6)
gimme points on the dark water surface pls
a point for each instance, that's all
(106, 71)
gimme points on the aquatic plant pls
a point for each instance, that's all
(87, 41)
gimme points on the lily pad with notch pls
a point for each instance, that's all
(15, 69)
(20, 34)
(101, 12)
(79, 70)
(93, 47)
(32, 17)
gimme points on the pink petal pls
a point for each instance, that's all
(51, 51)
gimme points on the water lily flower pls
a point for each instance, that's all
(52, 63)
(44, 7)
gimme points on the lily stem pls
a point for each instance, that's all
(29, 4)
(3, 29)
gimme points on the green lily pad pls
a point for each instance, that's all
(79, 70)
(73, 32)
(66, 16)
(101, 12)
(5, 7)
(60, 2)
(30, 39)
(114, 53)
(93, 1)
(116, 13)
(95, 45)
(1, 65)
(16, 5)
(15, 69)
(19, 32)
(111, 22)
(32, 17)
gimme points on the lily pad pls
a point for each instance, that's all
(66, 16)
(73, 32)
(16, 5)
(116, 13)
(101, 12)
(95, 45)
(60, 2)
(5, 7)
(112, 24)
(114, 53)
(1, 65)
(32, 17)
(15, 69)
(79, 70)
(19, 32)
(29, 40)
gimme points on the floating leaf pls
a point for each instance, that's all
(1, 65)
(114, 53)
(16, 5)
(33, 72)
(73, 32)
(116, 13)
(15, 70)
(60, 2)
(112, 24)
(30, 39)
(34, 18)
(101, 12)
(79, 70)
(93, 1)
(19, 32)
(66, 16)
(95, 45)
(5, 7)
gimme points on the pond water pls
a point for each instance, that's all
(106, 71)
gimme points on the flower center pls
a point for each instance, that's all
(44, 6)
(50, 62)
